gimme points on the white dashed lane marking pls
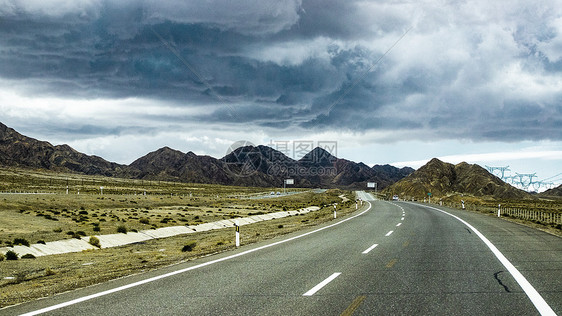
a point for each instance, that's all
(321, 284)
(369, 249)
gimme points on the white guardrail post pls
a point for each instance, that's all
(236, 224)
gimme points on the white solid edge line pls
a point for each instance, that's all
(388, 234)
(321, 284)
(127, 286)
(369, 249)
(540, 304)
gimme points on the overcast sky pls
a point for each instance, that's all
(479, 81)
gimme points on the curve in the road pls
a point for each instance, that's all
(539, 302)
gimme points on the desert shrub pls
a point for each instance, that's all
(41, 242)
(97, 228)
(57, 230)
(80, 233)
(2, 257)
(71, 233)
(166, 220)
(122, 229)
(189, 246)
(11, 255)
(50, 271)
(21, 241)
(95, 241)
(28, 256)
(279, 226)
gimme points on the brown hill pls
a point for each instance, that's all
(442, 179)
(22, 151)
(330, 171)
(552, 193)
(173, 165)
(387, 174)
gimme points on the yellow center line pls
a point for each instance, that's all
(353, 306)
(391, 263)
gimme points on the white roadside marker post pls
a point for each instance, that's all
(499, 208)
(335, 209)
(236, 224)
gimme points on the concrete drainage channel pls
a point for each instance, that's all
(115, 240)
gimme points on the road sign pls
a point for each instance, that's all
(289, 181)
(429, 193)
(371, 184)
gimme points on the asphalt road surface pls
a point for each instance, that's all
(389, 258)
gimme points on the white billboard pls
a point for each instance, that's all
(371, 184)
(289, 181)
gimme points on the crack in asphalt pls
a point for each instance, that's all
(496, 276)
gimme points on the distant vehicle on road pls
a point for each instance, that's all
(272, 193)
(278, 193)
(395, 197)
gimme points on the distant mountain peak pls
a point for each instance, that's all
(319, 156)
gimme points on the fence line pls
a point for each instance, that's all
(530, 215)
(544, 217)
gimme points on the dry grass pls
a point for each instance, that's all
(57, 216)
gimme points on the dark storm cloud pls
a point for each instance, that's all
(310, 65)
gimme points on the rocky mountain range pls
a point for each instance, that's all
(21, 151)
(441, 179)
(245, 166)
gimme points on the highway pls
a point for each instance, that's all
(389, 258)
